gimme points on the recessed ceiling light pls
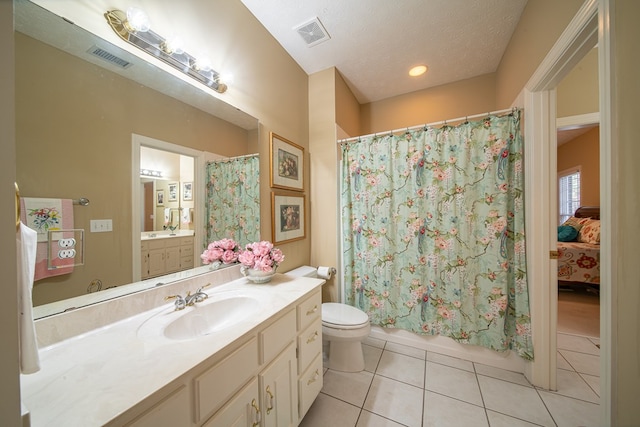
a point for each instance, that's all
(418, 70)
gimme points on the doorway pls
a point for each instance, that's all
(591, 25)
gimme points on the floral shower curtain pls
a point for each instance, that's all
(433, 232)
(233, 200)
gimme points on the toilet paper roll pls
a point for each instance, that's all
(324, 272)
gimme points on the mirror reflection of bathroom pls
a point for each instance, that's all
(166, 181)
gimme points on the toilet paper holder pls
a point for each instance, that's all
(325, 272)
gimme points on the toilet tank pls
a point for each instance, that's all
(304, 271)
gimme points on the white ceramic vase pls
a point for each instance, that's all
(257, 276)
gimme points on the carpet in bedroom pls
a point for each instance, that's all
(579, 311)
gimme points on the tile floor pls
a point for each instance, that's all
(406, 386)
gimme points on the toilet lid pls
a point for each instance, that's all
(342, 315)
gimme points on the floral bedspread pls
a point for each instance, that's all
(579, 262)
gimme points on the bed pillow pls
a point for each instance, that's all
(590, 232)
(576, 223)
(567, 233)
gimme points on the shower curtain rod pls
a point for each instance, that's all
(228, 159)
(442, 122)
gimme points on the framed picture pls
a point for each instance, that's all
(287, 217)
(159, 197)
(187, 191)
(287, 164)
(173, 192)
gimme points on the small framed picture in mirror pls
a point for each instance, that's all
(159, 197)
(173, 192)
(187, 191)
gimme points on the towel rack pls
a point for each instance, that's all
(17, 206)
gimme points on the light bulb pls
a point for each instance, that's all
(203, 64)
(138, 20)
(173, 44)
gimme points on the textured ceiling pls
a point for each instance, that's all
(374, 42)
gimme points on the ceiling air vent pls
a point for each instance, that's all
(109, 57)
(313, 32)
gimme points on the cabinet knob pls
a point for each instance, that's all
(313, 310)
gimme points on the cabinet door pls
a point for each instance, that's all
(279, 390)
(144, 267)
(242, 410)
(172, 259)
(156, 262)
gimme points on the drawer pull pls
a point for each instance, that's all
(316, 375)
(313, 310)
(270, 402)
(257, 417)
(313, 337)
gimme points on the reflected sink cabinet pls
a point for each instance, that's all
(266, 378)
(166, 255)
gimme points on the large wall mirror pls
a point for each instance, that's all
(77, 118)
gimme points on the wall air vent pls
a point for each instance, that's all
(313, 32)
(109, 57)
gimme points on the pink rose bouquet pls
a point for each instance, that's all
(261, 256)
(223, 251)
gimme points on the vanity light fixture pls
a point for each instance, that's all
(134, 28)
(151, 173)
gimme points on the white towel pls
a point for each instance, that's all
(167, 216)
(26, 247)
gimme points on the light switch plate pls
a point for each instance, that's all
(101, 225)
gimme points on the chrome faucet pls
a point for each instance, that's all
(181, 302)
(199, 296)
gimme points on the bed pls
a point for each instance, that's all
(579, 258)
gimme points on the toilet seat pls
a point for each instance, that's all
(342, 316)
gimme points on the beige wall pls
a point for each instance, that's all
(324, 166)
(347, 108)
(466, 97)
(626, 176)
(73, 131)
(584, 151)
(577, 93)
(541, 24)
(9, 369)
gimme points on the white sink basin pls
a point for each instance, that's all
(218, 313)
(212, 317)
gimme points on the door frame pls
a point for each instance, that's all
(590, 26)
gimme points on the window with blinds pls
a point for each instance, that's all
(569, 193)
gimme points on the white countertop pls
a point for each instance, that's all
(156, 235)
(90, 379)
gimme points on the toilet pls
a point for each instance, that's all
(343, 327)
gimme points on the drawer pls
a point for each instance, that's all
(144, 245)
(171, 411)
(309, 386)
(186, 262)
(156, 244)
(186, 251)
(309, 345)
(184, 241)
(277, 336)
(309, 310)
(220, 382)
(172, 242)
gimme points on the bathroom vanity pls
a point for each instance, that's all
(163, 253)
(248, 355)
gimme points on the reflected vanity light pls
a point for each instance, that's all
(150, 173)
(134, 28)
